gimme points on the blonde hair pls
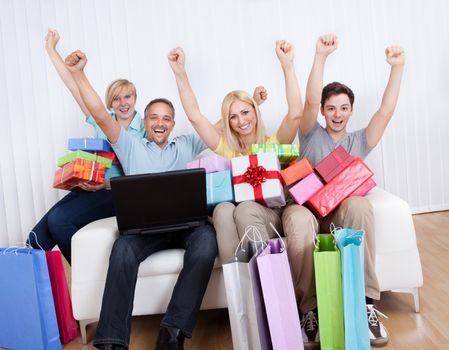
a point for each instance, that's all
(116, 87)
(232, 138)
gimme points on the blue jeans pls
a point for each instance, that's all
(128, 252)
(75, 210)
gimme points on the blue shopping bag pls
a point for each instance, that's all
(351, 245)
(27, 317)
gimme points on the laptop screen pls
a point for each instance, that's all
(160, 202)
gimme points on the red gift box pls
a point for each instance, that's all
(340, 187)
(79, 170)
(333, 163)
(364, 188)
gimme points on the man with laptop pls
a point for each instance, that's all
(152, 154)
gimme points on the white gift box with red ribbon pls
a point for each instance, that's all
(256, 177)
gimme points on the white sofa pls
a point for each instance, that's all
(398, 264)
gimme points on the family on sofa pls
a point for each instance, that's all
(143, 146)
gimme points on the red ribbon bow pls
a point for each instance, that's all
(255, 175)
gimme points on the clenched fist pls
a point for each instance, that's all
(76, 61)
(395, 56)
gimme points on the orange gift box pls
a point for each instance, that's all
(79, 170)
(297, 171)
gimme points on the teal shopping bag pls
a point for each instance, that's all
(27, 317)
(329, 293)
(351, 245)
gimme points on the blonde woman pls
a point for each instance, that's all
(79, 208)
(242, 125)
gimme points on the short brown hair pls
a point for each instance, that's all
(116, 87)
(160, 100)
(336, 88)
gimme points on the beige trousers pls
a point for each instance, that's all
(300, 225)
(230, 222)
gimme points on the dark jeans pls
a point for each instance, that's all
(128, 252)
(75, 210)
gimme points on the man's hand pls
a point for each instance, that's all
(260, 95)
(51, 39)
(76, 61)
(92, 188)
(177, 60)
(395, 56)
(326, 44)
(285, 52)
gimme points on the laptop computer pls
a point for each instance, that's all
(160, 202)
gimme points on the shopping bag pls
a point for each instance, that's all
(27, 317)
(350, 243)
(329, 292)
(249, 326)
(68, 329)
(279, 296)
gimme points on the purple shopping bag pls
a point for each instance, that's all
(279, 296)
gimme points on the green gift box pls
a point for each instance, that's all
(84, 155)
(286, 153)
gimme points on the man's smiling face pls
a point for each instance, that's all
(159, 123)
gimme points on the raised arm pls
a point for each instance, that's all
(289, 125)
(51, 40)
(326, 44)
(75, 63)
(207, 131)
(376, 127)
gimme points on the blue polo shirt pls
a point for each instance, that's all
(135, 128)
(139, 156)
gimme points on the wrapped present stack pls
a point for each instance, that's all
(87, 163)
(286, 153)
(335, 178)
(218, 178)
(256, 177)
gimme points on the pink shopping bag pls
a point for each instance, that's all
(68, 329)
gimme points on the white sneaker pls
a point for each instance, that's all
(310, 331)
(378, 332)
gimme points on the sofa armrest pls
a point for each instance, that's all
(91, 247)
(398, 263)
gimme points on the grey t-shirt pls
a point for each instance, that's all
(317, 144)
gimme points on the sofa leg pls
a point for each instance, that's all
(83, 329)
(416, 298)
(414, 291)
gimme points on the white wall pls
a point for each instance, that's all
(229, 45)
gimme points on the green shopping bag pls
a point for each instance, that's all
(329, 293)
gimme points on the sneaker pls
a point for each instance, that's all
(378, 332)
(310, 332)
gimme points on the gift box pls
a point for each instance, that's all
(212, 163)
(89, 144)
(84, 155)
(333, 163)
(257, 178)
(296, 171)
(286, 152)
(79, 170)
(219, 187)
(364, 188)
(109, 155)
(306, 188)
(340, 187)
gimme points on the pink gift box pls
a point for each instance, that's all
(333, 163)
(340, 187)
(213, 163)
(364, 188)
(306, 188)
